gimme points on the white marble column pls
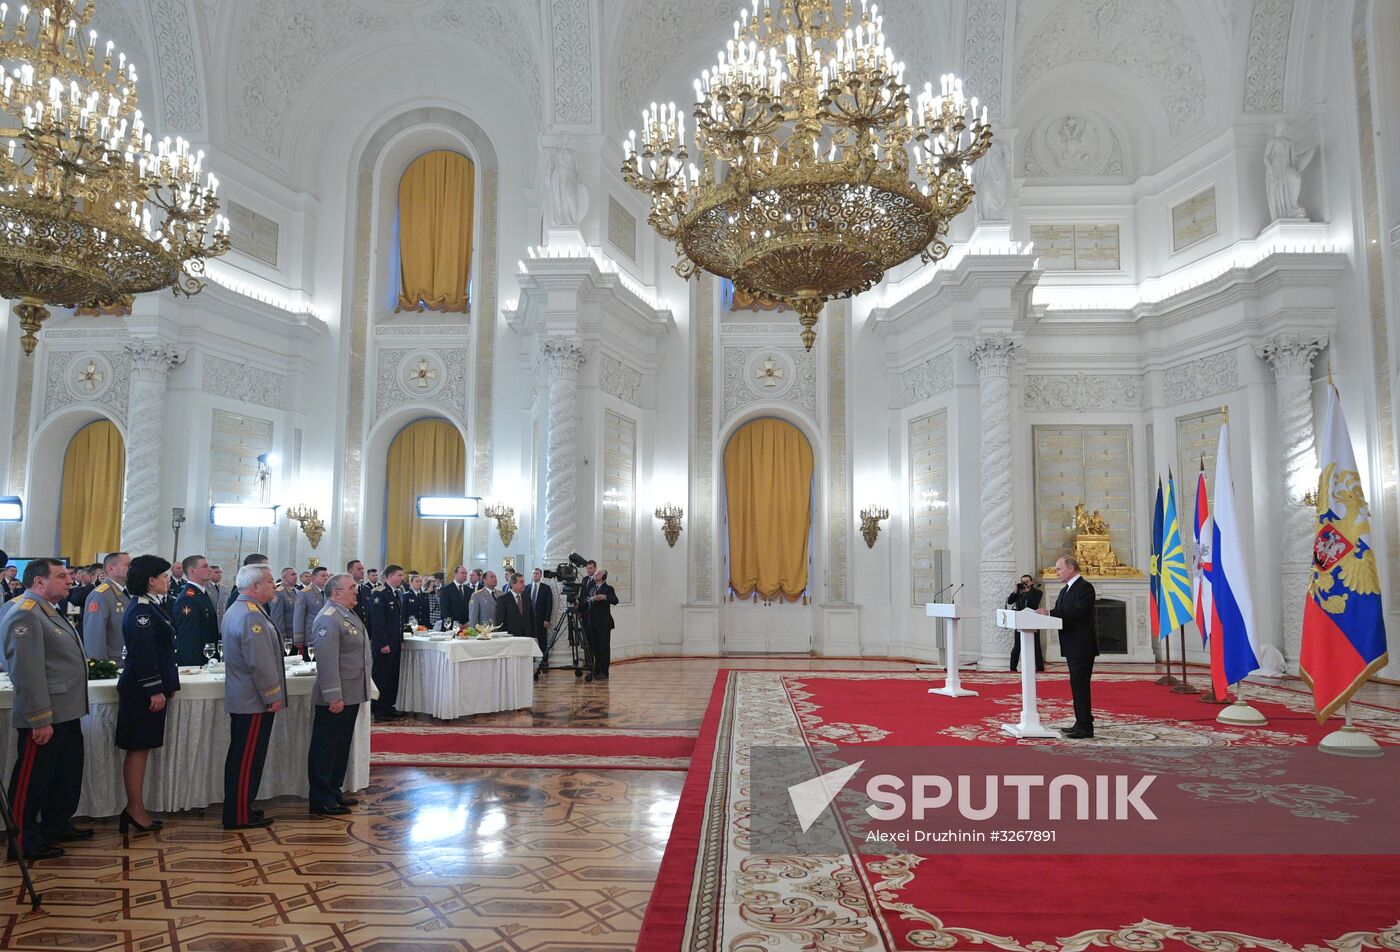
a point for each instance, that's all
(563, 357)
(142, 516)
(997, 565)
(1291, 356)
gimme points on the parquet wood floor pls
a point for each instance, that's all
(433, 860)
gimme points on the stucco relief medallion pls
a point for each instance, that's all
(422, 374)
(769, 373)
(89, 376)
(1073, 144)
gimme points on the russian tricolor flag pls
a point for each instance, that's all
(1343, 623)
(1232, 627)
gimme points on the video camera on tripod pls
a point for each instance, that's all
(570, 623)
(567, 574)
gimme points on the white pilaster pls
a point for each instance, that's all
(141, 513)
(563, 356)
(1291, 357)
(997, 565)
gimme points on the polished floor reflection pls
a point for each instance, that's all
(434, 859)
(431, 860)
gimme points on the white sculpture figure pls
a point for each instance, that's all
(990, 200)
(1283, 168)
(568, 198)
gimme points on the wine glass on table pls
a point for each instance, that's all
(287, 647)
(209, 652)
(310, 651)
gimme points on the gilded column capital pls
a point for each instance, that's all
(991, 354)
(1291, 353)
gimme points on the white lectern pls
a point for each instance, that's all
(1027, 625)
(952, 685)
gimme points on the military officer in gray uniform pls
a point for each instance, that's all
(283, 609)
(255, 689)
(308, 605)
(482, 608)
(45, 658)
(105, 609)
(343, 664)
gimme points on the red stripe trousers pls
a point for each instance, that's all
(243, 767)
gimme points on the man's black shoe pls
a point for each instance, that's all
(345, 801)
(256, 823)
(334, 810)
(1068, 730)
(73, 835)
(588, 678)
(48, 851)
(1077, 734)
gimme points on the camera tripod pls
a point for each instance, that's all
(12, 828)
(582, 659)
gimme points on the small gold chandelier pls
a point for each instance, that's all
(91, 209)
(815, 175)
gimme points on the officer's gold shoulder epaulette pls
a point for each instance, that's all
(27, 604)
(105, 586)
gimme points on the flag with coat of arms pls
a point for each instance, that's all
(1343, 622)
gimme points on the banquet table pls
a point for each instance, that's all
(456, 677)
(188, 772)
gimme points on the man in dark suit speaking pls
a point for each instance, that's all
(1079, 642)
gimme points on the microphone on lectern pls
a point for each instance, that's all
(941, 591)
(953, 597)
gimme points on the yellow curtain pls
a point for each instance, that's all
(90, 512)
(768, 482)
(435, 232)
(427, 458)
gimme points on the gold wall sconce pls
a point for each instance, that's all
(310, 521)
(870, 519)
(505, 520)
(670, 517)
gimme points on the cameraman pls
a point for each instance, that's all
(1027, 595)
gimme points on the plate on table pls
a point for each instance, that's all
(440, 636)
(301, 670)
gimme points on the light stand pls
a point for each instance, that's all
(240, 516)
(177, 519)
(448, 508)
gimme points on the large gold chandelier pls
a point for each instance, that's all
(816, 175)
(91, 209)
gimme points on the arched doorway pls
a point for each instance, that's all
(768, 493)
(426, 458)
(90, 507)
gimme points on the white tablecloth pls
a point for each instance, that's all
(450, 679)
(188, 772)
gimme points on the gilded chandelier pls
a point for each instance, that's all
(91, 209)
(815, 173)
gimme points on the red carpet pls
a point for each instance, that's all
(709, 890)
(592, 748)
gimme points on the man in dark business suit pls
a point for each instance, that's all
(541, 598)
(455, 597)
(513, 612)
(1079, 642)
(598, 623)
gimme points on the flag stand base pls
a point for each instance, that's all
(1241, 714)
(1348, 741)
(1208, 697)
(1166, 679)
(1185, 687)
